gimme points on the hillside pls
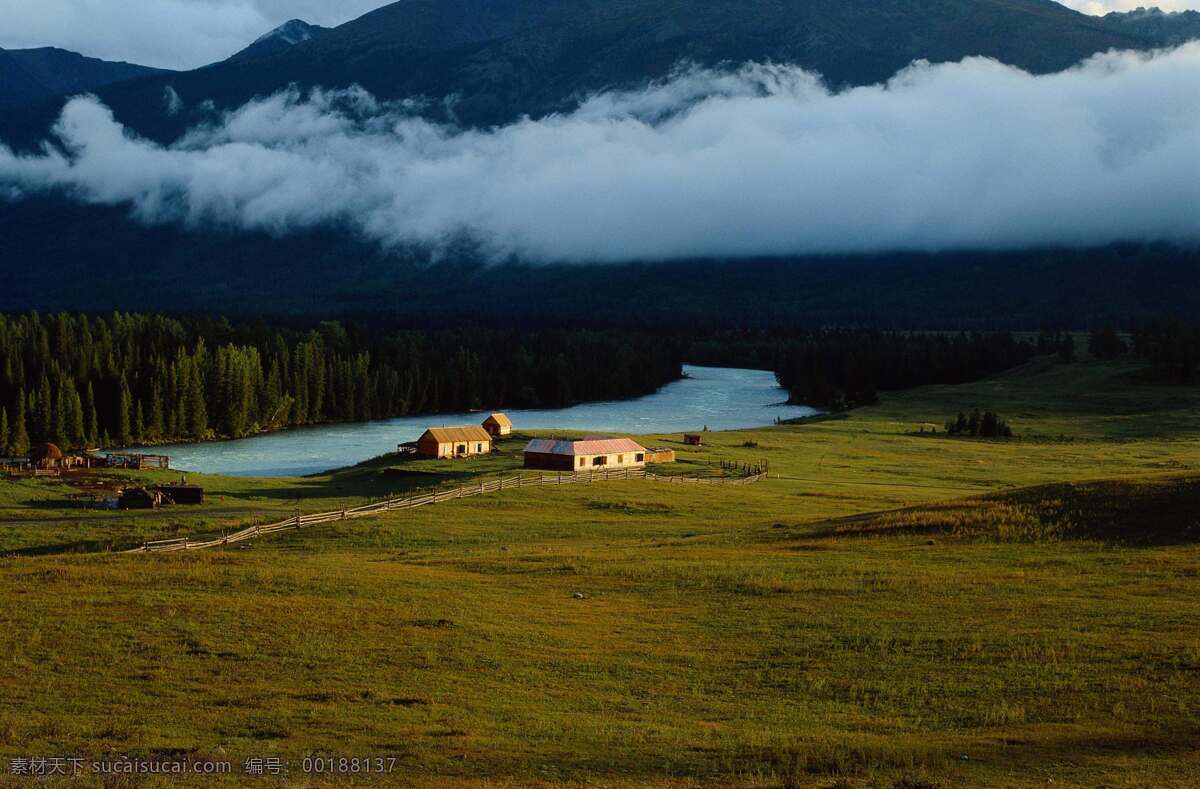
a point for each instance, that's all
(17, 86)
(287, 35)
(1168, 28)
(64, 72)
(94, 258)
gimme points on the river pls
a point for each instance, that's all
(717, 397)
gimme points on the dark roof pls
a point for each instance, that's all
(45, 452)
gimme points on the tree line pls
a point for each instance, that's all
(987, 424)
(843, 368)
(124, 379)
(1172, 349)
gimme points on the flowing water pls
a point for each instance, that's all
(715, 397)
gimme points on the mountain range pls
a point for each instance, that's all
(31, 75)
(1167, 28)
(45, 73)
(482, 62)
(501, 59)
(287, 35)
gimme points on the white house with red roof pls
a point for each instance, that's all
(588, 454)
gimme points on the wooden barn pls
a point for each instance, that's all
(139, 462)
(498, 424)
(454, 442)
(592, 453)
(181, 493)
(139, 499)
(660, 455)
(693, 439)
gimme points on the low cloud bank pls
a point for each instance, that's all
(761, 160)
(1101, 7)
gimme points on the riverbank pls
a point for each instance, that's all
(717, 398)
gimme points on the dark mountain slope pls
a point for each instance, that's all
(504, 58)
(286, 36)
(18, 86)
(61, 255)
(1168, 28)
(65, 72)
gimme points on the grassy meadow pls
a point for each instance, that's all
(892, 608)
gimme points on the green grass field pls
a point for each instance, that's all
(891, 608)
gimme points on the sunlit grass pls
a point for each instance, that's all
(889, 609)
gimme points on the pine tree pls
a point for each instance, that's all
(155, 429)
(76, 430)
(43, 412)
(4, 430)
(92, 426)
(197, 411)
(1066, 347)
(18, 442)
(124, 424)
(59, 432)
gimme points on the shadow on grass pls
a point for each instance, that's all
(78, 547)
(1156, 511)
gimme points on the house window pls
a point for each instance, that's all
(479, 447)
(620, 458)
(582, 461)
(639, 458)
(600, 460)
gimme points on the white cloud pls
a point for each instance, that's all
(1101, 7)
(760, 161)
(164, 33)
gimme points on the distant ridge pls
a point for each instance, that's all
(61, 71)
(501, 59)
(1169, 28)
(284, 37)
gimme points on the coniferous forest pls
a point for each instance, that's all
(128, 378)
(124, 379)
(843, 368)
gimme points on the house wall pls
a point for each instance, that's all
(549, 462)
(614, 460)
(581, 463)
(497, 430)
(431, 449)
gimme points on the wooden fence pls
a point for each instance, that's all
(299, 521)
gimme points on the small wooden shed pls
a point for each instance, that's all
(660, 455)
(454, 442)
(498, 424)
(139, 499)
(693, 439)
(46, 456)
(181, 493)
